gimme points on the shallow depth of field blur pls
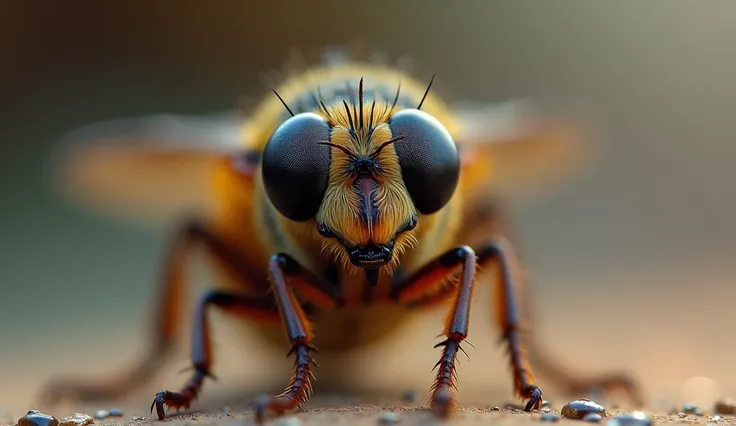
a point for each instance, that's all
(633, 264)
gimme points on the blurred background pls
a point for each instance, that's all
(632, 264)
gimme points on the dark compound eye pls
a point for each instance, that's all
(429, 161)
(296, 167)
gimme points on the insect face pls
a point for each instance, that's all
(364, 174)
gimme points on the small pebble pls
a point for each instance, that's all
(288, 421)
(579, 408)
(37, 418)
(689, 408)
(592, 417)
(681, 415)
(513, 407)
(137, 418)
(388, 418)
(725, 406)
(716, 418)
(549, 417)
(115, 412)
(102, 414)
(410, 396)
(545, 403)
(546, 410)
(635, 418)
(699, 412)
(77, 419)
(495, 408)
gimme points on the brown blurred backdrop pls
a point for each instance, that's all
(633, 265)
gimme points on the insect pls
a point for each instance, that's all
(351, 188)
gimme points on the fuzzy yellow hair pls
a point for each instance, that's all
(362, 131)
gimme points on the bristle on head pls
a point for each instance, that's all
(353, 115)
(282, 101)
(426, 92)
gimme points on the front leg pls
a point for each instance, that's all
(422, 288)
(300, 337)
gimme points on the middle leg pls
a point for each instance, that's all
(491, 217)
(422, 289)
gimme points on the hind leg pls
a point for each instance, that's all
(168, 319)
(255, 308)
(491, 218)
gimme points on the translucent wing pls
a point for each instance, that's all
(525, 149)
(146, 168)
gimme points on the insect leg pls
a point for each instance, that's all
(491, 216)
(421, 290)
(425, 282)
(240, 304)
(168, 316)
(509, 320)
(571, 382)
(299, 389)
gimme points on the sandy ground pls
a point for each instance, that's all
(360, 410)
(223, 405)
(670, 373)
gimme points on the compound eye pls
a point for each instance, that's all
(428, 157)
(296, 167)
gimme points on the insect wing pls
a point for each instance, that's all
(524, 149)
(145, 168)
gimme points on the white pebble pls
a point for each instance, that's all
(388, 418)
(289, 421)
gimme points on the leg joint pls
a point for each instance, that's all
(194, 228)
(497, 247)
(214, 297)
(228, 300)
(286, 263)
(219, 298)
(459, 254)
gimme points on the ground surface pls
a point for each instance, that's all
(334, 411)
(670, 375)
(343, 409)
